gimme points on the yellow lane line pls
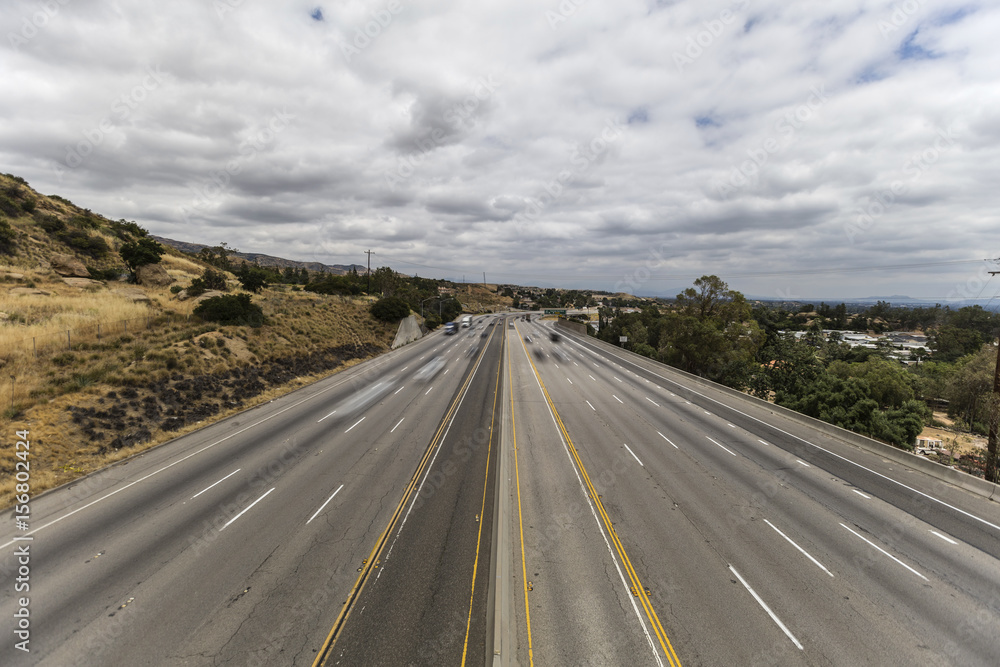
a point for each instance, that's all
(366, 570)
(482, 510)
(638, 589)
(520, 520)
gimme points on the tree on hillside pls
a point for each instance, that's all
(253, 278)
(390, 309)
(385, 281)
(140, 253)
(951, 343)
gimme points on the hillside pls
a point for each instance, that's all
(98, 369)
(261, 259)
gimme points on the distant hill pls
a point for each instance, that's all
(261, 259)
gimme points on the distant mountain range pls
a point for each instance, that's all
(270, 261)
(895, 300)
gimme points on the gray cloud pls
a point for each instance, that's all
(747, 137)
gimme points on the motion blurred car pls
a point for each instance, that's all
(450, 329)
(430, 369)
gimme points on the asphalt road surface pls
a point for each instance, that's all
(640, 519)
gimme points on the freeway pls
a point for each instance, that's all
(748, 538)
(498, 498)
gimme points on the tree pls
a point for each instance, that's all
(140, 252)
(951, 343)
(713, 333)
(390, 309)
(385, 280)
(971, 386)
(252, 278)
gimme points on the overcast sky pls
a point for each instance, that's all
(835, 149)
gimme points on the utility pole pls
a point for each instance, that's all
(991, 444)
(369, 253)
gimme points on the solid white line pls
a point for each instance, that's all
(329, 415)
(667, 439)
(355, 424)
(397, 424)
(724, 447)
(811, 444)
(591, 406)
(327, 502)
(888, 554)
(652, 401)
(429, 390)
(600, 526)
(861, 494)
(804, 553)
(245, 511)
(219, 482)
(633, 454)
(766, 608)
(944, 537)
(399, 390)
(618, 399)
(803, 463)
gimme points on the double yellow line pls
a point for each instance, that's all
(638, 589)
(373, 557)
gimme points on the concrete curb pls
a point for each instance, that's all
(503, 652)
(957, 478)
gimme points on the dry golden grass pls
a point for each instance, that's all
(299, 323)
(39, 323)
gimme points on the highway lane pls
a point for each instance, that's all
(727, 492)
(142, 564)
(426, 603)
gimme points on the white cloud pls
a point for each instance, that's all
(756, 136)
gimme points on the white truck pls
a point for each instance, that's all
(467, 321)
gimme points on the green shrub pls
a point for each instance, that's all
(390, 309)
(7, 236)
(9, 207)
(174, 289)
(28, 205)
(78, 239)
(231, 309)
(104, 274)
(50, 223)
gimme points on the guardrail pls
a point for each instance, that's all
(958, 478)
